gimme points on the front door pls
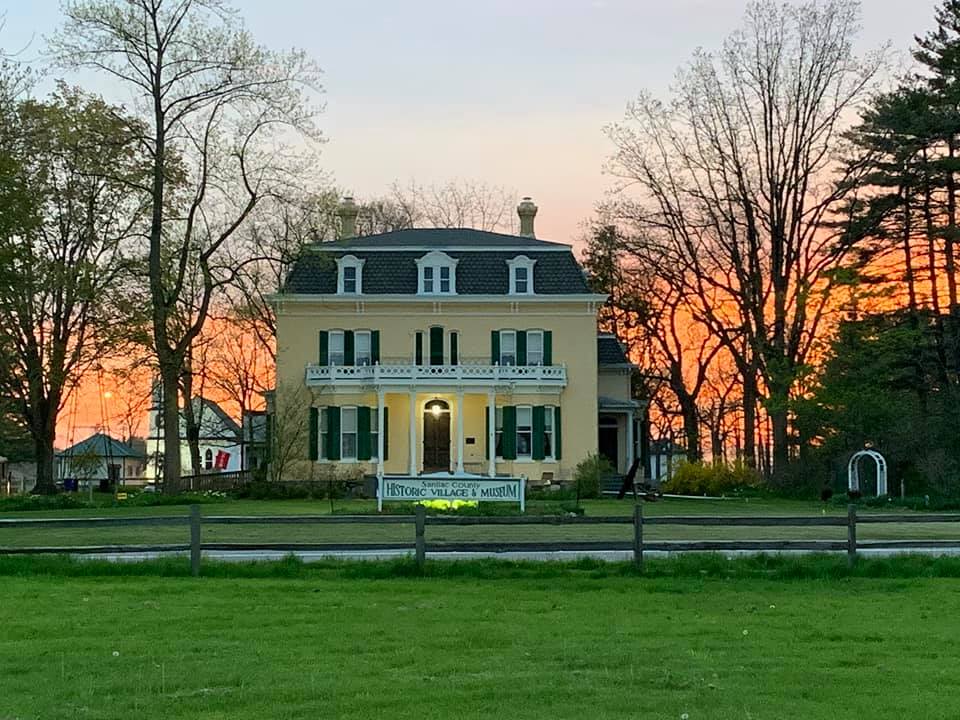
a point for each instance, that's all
(436, 437)
(609, 442)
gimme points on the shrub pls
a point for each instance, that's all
(696, 478)
(589, 475)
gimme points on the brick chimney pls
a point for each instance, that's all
(527, 212)
(347, 210)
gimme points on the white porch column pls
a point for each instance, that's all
(630, 444)
(413, 433)
(460, 430)
(492, 432)
(380, 438)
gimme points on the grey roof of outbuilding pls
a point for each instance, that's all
(390, 263)
(101, 445)
(610, 351)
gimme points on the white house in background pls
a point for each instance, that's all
(101, 458)
(221, 440)
(665, 455)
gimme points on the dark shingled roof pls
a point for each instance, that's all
(391, 268)
(101, 445)
(610, 351)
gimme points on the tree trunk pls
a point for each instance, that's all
(190, 420)
(749, 453)
(171, 422)
(43, 449)
(691, 429)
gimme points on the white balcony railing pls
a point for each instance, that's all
(409, 374)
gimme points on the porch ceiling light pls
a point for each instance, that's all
(435, 409)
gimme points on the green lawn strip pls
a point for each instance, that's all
(544, 642)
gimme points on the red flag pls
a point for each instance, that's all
(223, 459)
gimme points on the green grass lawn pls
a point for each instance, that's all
(404, 533)
(581, 642)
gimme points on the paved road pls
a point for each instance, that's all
(607, 555)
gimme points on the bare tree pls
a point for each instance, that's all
(218, 108)
(456, 204)
(734, 182)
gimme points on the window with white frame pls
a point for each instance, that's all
(349, 275)
(362, 349)
(208, 459)
(348, 433)
(335, 350)
(508, 347)
(498, 432)
(521, 275)
(534, 347)
(524, 431)
(548, 432)
(374, 434)
(437, 274)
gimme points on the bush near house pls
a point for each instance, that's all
(589, 475)
(697, 478)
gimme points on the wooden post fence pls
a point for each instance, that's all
(851, 535)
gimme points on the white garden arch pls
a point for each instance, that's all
(853, 471)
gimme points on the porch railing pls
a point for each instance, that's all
(407, 373)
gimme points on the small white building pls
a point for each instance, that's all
(221, 440)
(100, 458)
(665, 456)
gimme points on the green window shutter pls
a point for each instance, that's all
(333, 433)
(314, 434)
(454, 348)
(547, 347)
(375, 347)
(348, 358)
(364, 451)
(324, 347)
(436, 346)
(494, 347)
(539, 426)
(509, 432)
(418, 359)
(521, 347)
(556, 432)
(386, 434)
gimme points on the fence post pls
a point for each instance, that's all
(851, 535)
(638, 536)
(195, 540)
(420, 514)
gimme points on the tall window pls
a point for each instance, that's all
(335, 350)
(521, 280)
(208, 459)
(508, 347)
(498, 438)
(348, 433)
(444, 280)
(524, 431)
(349, 280)
(548, 432)
(324, 434)
(428, 279)
(534, 347)
(362, 352)
(374, 434)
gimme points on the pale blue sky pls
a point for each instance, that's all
(509, 93)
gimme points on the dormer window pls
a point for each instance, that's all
(521, 275)
(349, 275)
(437, 274)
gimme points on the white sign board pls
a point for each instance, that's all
(468, 489)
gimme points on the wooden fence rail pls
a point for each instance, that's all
(420, 520)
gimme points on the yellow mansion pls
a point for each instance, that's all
(453, 352)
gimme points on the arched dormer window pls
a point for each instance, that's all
(349, 275)
(436, 274)
(521, 275)
(208, 459)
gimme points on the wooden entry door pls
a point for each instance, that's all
(436, 437)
